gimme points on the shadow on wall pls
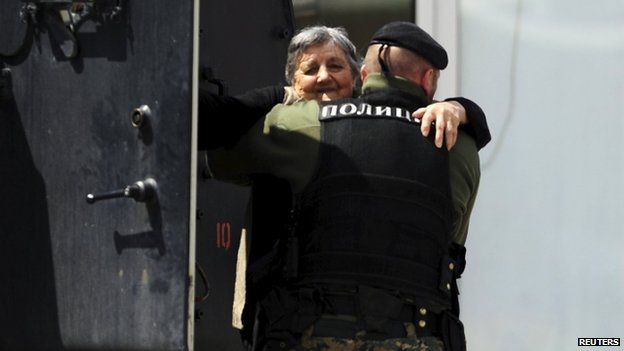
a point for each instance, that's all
(28, 310)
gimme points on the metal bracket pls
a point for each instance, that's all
(208, 76)
(65, 17)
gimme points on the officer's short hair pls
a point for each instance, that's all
(316, 35)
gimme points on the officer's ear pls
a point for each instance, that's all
(363, 72)
(429, 81)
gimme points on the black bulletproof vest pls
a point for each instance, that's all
(378, 211)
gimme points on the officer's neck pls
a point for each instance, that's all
(375, 81)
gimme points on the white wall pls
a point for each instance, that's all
(440, 20)
(546, 243)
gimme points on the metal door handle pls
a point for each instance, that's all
(141, 191)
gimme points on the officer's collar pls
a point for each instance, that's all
(374, 81)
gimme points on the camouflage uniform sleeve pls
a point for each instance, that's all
(465, 177)
(284, 144)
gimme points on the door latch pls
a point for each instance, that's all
(141, 191)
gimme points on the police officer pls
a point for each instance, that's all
(380, 214)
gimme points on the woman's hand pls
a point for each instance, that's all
(446, 116)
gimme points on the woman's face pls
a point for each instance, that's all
(323, 73)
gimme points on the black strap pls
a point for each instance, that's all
(382, 62)
(453, 334)
(331, 327)
(418, 279)
(291, 309)
(27, 14)
(6, 84)
(381, 314)
(458, 254)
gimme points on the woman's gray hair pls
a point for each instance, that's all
(316, 35)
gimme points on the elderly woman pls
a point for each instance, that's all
(322, 64)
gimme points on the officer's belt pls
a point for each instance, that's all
(365, 317)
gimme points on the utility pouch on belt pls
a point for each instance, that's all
(458, 254)
(376, 307)
(453, 333)
(447, 275)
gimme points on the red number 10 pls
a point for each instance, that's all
(224, 235)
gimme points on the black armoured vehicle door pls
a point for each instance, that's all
(97, 99)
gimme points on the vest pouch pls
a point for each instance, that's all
(447, 275)
(287, 313)
(377, 309)
(279, 307)
(453, 333)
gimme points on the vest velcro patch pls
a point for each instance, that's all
(362, 109)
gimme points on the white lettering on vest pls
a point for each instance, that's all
(329, 110)
(348, 109)
(403, 113)
(365, 109)
(383, 110)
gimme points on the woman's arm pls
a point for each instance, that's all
(223, 119)
(477, 124)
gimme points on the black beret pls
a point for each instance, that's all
(409, 36)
